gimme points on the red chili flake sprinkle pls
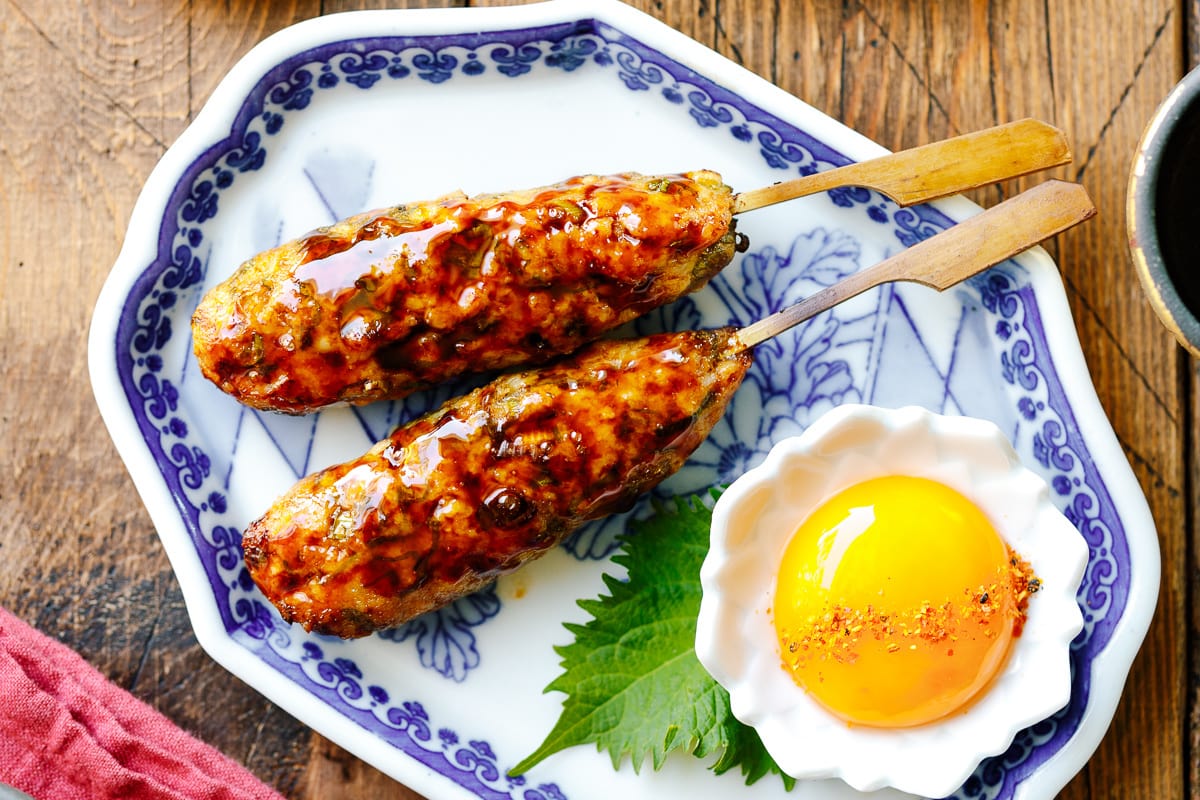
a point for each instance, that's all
(836, 631)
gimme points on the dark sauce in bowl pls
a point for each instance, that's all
(1177, 207)
(1164, 212)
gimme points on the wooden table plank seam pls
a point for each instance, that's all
(1116, 109)
(920, 75)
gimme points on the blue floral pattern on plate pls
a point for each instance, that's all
(980, 349)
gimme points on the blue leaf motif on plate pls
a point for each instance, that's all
(878, 213)
(193, 464)
(637, 75)
(771, 280)
(847, 196)
(1017, 366)
(999, 295)
(571, 54)
(707, 113)
(328, 79)
(343, 675)
(154, 332)
(444, 639)
(161, 397)
(298, 100)
(186, 270)
(364, 71)
(515, 61)
(250, 157)
(913, 228)
(819, 380)
(296, 95)
(217, 502)
(363, 80)
(202, 205)
(778, 153)
(1051, 448)
(434, 68)
(257, 621)
(228, 544)
(411, 717)
(477, 757)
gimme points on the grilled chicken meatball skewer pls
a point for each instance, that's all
(392, 301)
(389, 302)
(490, 480)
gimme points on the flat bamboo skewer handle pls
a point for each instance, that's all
(951, 256)
(934, 170)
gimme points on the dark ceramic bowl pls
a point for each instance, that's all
(1163, 211)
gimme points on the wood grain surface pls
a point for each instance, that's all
(92, 92)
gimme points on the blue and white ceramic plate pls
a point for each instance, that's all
(367, 109)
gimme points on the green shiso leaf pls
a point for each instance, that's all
(633, 684)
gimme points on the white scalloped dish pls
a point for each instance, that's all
(368, 109)
(758, 515)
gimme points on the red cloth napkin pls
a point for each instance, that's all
(67, 733)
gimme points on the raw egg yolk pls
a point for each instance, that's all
(897, 601)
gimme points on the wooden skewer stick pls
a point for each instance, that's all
(934, 170)
(951, 256)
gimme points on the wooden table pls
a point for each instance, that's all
(92, 92)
